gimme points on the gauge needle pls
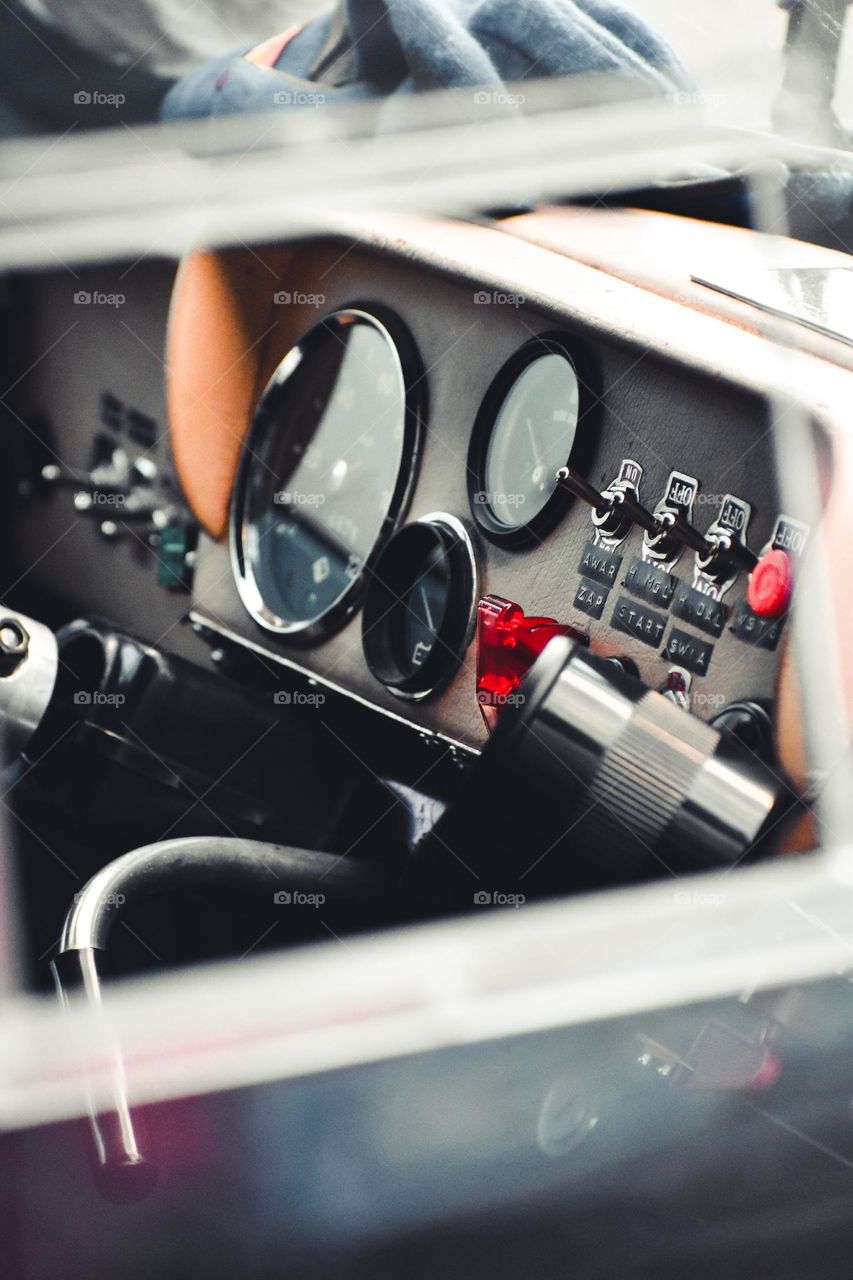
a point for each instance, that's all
(534, 442)
(430, 622)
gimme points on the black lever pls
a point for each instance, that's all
(624, 507)
(579, 486)
(103, 479)
(123, 1172)
(620, 504)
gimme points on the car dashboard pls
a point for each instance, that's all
(436, 434)
(340, 470)
(426, 691)
(483, 364)
(458, 559)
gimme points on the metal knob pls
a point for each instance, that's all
(612, 512)
(595, 779)
(673, 532)
(725, 556)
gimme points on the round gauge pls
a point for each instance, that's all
(419, 607)
(325, 473)
(527, 428)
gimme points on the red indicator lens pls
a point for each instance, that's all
(770, 585)
(508, 643)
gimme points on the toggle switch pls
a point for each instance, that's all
(674, 531)
(726, 555)
(674, 515)
(727, 552)
(612, 513)
(666, 531)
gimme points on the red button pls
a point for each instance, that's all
(770, 585)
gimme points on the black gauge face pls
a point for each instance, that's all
(419, 606)
(526, 430)
(324, 475)
(417, 627)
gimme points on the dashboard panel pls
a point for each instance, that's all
(86, 382)
(630, 418)
(648, 397)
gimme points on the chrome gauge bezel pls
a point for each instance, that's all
(316, 630)
(438, 673)
(582, 451)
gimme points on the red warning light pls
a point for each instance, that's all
(508, 643)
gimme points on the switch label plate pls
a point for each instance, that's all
(638, 621)
(689, 651)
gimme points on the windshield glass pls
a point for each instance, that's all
(97, 65)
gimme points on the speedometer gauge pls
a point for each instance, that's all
(325, 473)
(529, 425)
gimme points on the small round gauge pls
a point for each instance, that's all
(325, 473)
(527, 428)
(419, 607)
